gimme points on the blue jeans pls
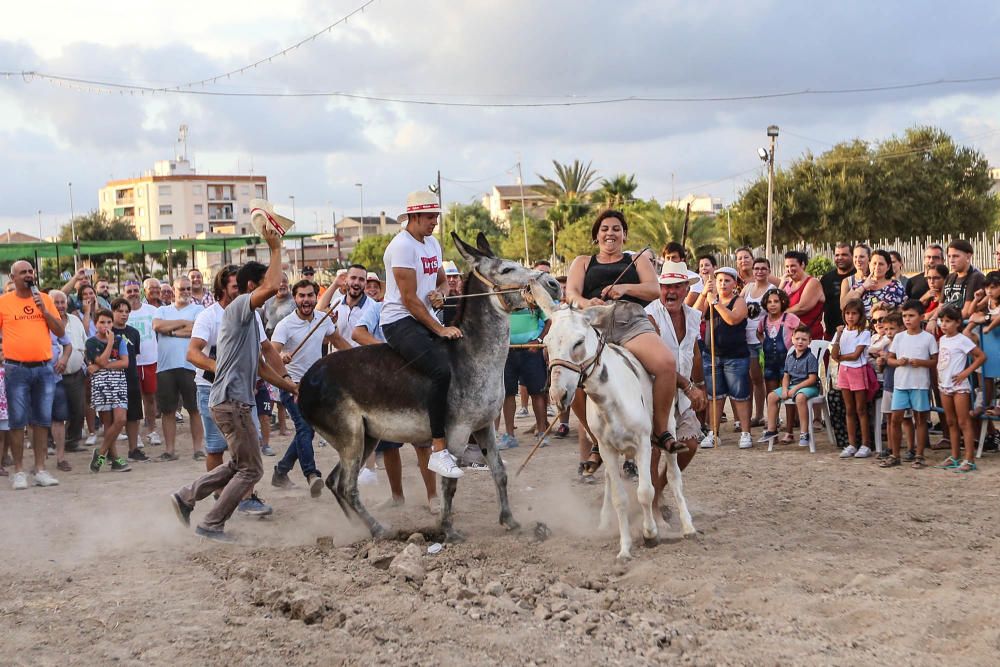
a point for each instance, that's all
(301, 449)
(732, 377)
(29, 395)
(215, 443)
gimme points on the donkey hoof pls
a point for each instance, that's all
(624, 556)
(651, 542)
(379, 532)
(453, 536)
(509, 523)
(691, 535)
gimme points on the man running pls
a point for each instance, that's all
(414, 272)
(232, 397)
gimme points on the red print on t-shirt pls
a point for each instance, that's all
(430, 265)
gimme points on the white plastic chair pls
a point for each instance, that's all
(818, 348)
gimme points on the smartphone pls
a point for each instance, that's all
(88, 272)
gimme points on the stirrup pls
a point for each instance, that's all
(668, 443)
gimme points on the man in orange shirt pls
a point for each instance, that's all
(26, 318)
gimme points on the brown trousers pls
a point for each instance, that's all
(236, 478)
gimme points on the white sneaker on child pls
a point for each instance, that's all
(367, 476)
(848, 452)
(746, 441)
(864, 452)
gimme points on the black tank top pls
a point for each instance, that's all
(599, 276)
(730, 339)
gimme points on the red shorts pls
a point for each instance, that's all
(147, 378)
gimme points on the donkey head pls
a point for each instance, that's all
(571, 338)
(504, 272)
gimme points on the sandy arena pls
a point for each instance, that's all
(801, 559)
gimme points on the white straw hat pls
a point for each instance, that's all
(676, 272)
(262, 213)
(421, 201)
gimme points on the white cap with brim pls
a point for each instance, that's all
(674, 273)
(729, 271)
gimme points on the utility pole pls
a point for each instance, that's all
(524, 223)
(72, 226)
(772, 131)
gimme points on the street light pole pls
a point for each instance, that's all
(40, 237)
(361, 189)
(772, 131)
(72, 226)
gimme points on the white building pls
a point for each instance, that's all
(700, 204)
(172, 201)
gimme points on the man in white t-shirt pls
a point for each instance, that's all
(141, 319)
(679, 326)
(351, 307)
(413, 271)
(292, 331)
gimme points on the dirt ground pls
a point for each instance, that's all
(801, 559)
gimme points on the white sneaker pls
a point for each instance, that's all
(550, 411)
(848, 452)
(443, 463)
(864, 452)
(367, 477)
(91, 439)
(521, 412)
(20, 481)
(123, 436)
(179, 416)
(803, 439)
(154, 438)
(43, 478)
(708, 442)
(746, 441)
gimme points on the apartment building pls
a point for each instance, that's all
(172, 201)
(352, 229)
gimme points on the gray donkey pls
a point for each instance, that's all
(357, 397)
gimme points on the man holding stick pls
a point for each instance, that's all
(295, 332)
(232, 397)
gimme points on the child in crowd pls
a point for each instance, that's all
(849, 348)
(775, 334)
(107, 359)
(800, 381)
(986, 305)
(892, 324)
(913, 353)
(953, 372)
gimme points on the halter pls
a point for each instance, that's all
(499, 290)
(586, 367)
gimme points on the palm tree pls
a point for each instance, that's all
(572, 181)
(617, 192)
(651, 225)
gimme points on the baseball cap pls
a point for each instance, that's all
(450, 269)
(373, 276)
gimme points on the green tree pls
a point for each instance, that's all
(919, 184)
(617, 192)
(655, 226)
(539, 238)
(369, 252)
(468, 220)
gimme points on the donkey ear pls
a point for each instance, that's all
(542, 298)
(484, 245)
(467, 251)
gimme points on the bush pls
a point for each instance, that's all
(819, 265)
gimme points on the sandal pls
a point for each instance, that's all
(64, 466)
(668, 443)
(785, 438)
(965, 466)
(889, 462)
(949, 463)
(591, 465)
(919, 462)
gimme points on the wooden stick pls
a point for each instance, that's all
(313, 330)
(527, 346)
(711, 341)
(535, 448)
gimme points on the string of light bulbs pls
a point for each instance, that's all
(108, 87)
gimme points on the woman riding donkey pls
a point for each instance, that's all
(613, 275)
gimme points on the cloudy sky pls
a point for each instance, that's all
(480, 51)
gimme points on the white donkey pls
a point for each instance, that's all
(619, 411)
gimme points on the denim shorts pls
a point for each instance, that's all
(215, 443)
(29, 395)
(732, 377)
(60, 406)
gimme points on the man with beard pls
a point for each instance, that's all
(120, 311)
(200, 294)
(290, 333)
(353, 307)
(830, 282)
(79, 280)
(679, 326)
(103, 290)
(917, 287)
(141, 319)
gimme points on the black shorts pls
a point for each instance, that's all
(527, 367)
(134, 413)
(177, 383)
(265, 406)
(386, 445)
